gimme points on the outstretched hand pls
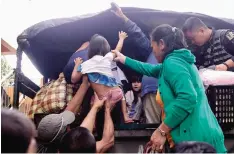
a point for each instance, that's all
(97, 102)
(119, 56)
(116, 10)
(78, 61)
(122, 35)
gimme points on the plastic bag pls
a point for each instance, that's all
(212, 77)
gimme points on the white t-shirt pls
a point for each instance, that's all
(104, 65)
(99, 64)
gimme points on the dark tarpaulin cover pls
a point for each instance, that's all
(49, 44)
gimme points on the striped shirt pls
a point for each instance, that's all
(213, 52)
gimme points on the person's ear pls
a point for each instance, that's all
(202, 30)
(32, 148)
(161, 45)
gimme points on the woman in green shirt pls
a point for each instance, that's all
(188, 116)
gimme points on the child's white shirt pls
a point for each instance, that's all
(99, 64)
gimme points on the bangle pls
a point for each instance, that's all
(163, 133)
(226, 65)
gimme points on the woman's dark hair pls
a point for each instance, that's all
(98, 46)
(173, 37)
(135, 93)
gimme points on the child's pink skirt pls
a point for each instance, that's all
(113, 96)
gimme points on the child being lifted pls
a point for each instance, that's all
(98, 68)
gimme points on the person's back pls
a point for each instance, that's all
(78, 140)
(81, 52)
(17, 133)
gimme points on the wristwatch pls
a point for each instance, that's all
(162, 132)
(226, 65)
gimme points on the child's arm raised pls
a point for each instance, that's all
(122, 37)
(76, 75)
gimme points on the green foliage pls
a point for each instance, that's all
(5, 69)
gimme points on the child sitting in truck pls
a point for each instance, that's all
(98, 68)
(133, 99)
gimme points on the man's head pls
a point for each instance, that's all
(53, 126)
(18, 132)
(78, 140)
(194, 147)
(195, 31)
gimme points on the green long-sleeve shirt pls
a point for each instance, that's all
(187, 111)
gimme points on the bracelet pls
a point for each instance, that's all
(162, 132)
(226, 65)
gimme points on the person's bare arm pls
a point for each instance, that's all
(108, 137)
(122, 37)
(125, 112)
(225, 66)
(89, 120)
(230, 63)
(77, 100)
(75, 74)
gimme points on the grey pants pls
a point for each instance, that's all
(151, 108)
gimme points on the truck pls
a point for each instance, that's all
(49, 44)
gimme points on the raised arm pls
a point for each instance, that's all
(136, 34)
(108, 137)
(122, 37)
(89, 120)
(77, 100)
(76, 75)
